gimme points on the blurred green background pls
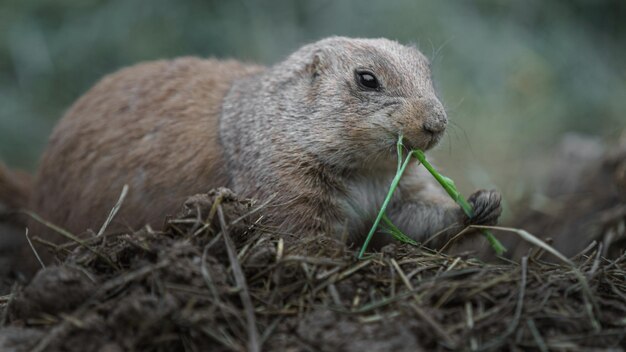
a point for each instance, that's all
(514, 75)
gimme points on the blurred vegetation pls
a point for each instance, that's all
(515, 75)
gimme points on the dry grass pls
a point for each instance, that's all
(218, 279)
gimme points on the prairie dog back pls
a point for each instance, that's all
(153, 126)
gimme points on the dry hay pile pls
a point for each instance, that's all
(218, 280)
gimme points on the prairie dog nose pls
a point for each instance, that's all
(435, 117)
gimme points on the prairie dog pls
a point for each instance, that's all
(317, 132)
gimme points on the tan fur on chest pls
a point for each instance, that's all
(363, 199)
(365, 195)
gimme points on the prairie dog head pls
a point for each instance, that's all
(358, 96)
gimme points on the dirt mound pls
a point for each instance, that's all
(217, 279)
(581, 198)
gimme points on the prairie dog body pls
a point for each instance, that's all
(317, 132)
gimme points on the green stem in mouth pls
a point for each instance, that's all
(450, 188)
(394, 184)
(445, 182)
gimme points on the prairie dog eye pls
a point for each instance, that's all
(367, 80)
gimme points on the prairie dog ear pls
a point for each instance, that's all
(316, 64)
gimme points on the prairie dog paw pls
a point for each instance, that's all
(486, 205)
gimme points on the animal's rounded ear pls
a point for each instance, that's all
(316, 64)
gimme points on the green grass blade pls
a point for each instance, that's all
(394, 184)
(444, 181)
(450, 188)
(392, 188)
(396, 233)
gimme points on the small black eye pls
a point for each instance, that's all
(367, 80)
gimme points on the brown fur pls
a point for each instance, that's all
(15, 189)
(152, 126)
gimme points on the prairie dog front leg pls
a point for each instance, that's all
(423, 209)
